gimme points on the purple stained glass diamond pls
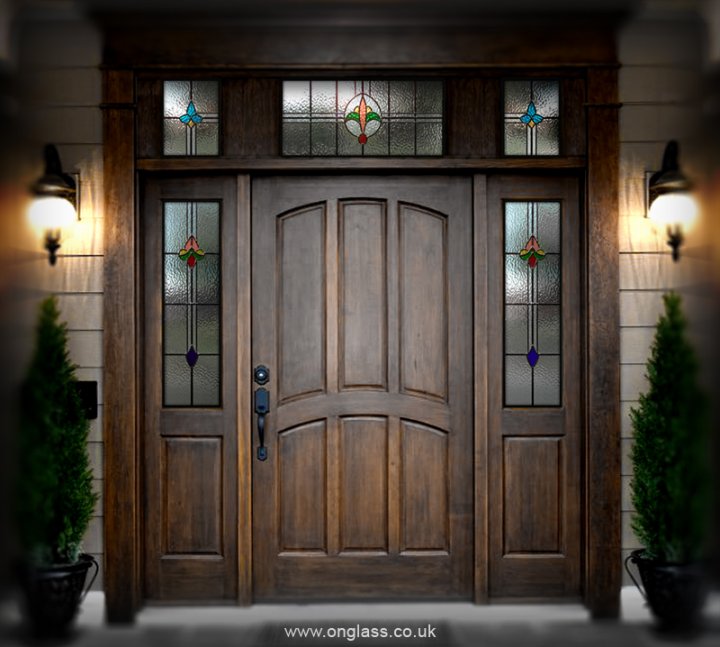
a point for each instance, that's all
(533, 357)
(192, 356)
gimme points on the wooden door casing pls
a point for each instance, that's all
(534, 453)
(362, 310)
(190, 454)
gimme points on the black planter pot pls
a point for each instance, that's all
(676, 593)
(53, 594)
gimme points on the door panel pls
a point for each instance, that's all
(534, 448)
(190, 448)
(362, 302)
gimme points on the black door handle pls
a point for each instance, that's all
(262, 408)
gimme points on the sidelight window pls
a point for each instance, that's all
(191, 304)
(532, 304)
(375, 118)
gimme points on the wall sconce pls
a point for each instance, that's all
(669, 200)
(54, 203)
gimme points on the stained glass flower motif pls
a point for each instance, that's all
(532, 252)
(363, 117)
(531, 118)
(191, 253)
(191, 117)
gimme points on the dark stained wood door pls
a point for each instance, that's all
(362, 311)
(534, 400)
(190, 412)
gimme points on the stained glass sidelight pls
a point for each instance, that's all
(532, 110)
(532, 304)
(191, 118)
(374, 118)
(191, 304)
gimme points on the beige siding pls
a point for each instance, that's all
(659, 86)
(59, 61)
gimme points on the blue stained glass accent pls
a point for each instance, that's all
(192, 356)
(531, 117)
(191, 117)
(533, 357)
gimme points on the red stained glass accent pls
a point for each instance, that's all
(191, 253)
(532, 252)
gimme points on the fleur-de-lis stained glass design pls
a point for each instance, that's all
(191, 116)
(532, 252)
(191, 252)
(532, 357)
(362, 117)
(191, 304)
(371, 117)
(532, 117)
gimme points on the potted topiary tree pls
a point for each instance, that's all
(670, 483)
(55, 497)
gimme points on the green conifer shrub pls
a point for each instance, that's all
(669, 457)
(55, 493)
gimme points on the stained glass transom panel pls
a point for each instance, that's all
(191, 304)
(191, 116)
(532, 112)
(533, 315)
(374, 118)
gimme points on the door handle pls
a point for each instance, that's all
(262, 408)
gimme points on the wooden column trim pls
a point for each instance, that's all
(120, 351)
(244, 367)
(603, 520)
(480, 418)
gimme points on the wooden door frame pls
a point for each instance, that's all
(123, 330)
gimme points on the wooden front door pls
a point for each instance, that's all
(362, 312)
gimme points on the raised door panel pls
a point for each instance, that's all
(363, 293)
(302, 488)
(364, 484)
(423, 302)
(301, 307)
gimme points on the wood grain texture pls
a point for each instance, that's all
(602, 593)
(363, 288)
(192, 482)
(244, 368)
(380, 492)
(302, 456)
(423, 280)
(424, 465)
(363, 484)
(480, 400)
(122, 516)
(532, 472)
(301, 306)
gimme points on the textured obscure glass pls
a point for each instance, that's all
(354, 118)
(518, 381)
(532, 296)
(191, 304)
(531, 114)
(191, 114)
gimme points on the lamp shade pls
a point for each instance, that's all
(51, 212)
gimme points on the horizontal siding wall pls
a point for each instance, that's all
(59, 64)
(659, 87)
